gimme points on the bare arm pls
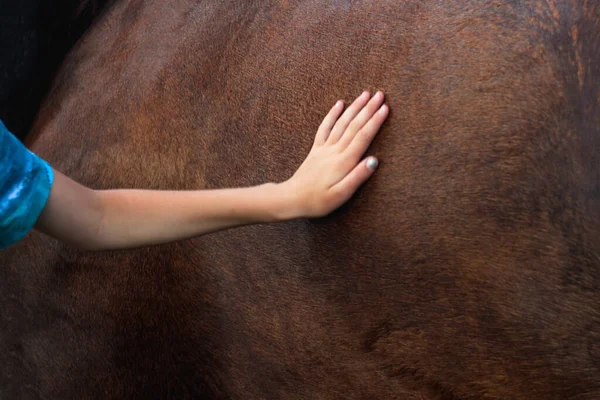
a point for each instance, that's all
(332, 172)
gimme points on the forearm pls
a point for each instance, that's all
(112, 219)
(135, 218)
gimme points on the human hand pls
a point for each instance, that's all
(333, 170)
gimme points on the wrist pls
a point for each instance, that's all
(286, 205)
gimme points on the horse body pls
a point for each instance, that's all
(468, 266)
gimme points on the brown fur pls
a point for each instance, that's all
(468, 267)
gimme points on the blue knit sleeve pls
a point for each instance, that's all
(25, 182)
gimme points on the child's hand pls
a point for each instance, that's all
(333, 170)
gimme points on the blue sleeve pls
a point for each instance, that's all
(25, 182)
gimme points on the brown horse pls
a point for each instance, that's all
(468, 267)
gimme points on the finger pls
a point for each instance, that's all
(348, 116)
(329, 122)
(361, 119)
(351, 182)
(365, 136)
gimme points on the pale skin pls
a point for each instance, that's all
(127, 218)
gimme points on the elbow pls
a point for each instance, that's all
(92, 237)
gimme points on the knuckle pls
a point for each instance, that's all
(353, 126)
(368, 131)
(364, 135)
(339, 192)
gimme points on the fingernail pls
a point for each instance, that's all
(372, 163)
(364, 94)
(379, 94)
(338, 103)
(383, 109)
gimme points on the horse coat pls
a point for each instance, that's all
(466, 268)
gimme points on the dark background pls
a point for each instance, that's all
(35, 36)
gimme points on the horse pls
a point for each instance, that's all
(467, 267)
